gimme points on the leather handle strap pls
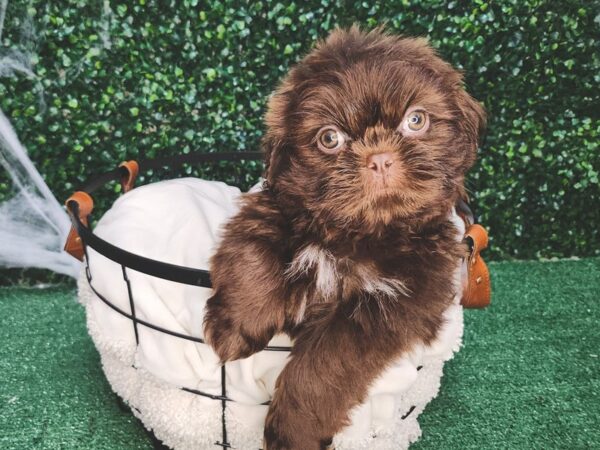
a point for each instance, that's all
(128, 174)
(129, 171)
(477, 292)
(73, 245)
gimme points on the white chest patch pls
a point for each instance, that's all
(314, 257)
(389, 287)
(322, 261)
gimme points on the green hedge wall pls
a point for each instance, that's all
(117, 80)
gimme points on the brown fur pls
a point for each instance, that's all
(357, 270)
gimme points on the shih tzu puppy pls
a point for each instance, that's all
(350, 248)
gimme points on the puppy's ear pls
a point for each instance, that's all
(471, 123)
(471, 115)
(275, 139)
(273, 148)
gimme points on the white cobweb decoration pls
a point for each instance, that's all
(33, 225)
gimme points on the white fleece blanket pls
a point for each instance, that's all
(178, 221)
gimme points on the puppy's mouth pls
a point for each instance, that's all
(377, 189)
(383, 185)
(393, 194)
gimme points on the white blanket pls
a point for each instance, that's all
(178, 221)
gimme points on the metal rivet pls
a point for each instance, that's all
(478, 280)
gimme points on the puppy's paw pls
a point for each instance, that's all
(226, 334)
(281, 444)
(285, 429)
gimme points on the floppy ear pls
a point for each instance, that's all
(471, 124)
(471, 115)
(274, 141)
(273, 149)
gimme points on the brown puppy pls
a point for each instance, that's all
(350, 249)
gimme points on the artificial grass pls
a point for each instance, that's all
(527, 377)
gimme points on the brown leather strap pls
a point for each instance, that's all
(477, 292)
(129, 173)
(74, 246)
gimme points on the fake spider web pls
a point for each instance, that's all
(33, 225)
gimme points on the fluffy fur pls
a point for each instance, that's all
(350, 251)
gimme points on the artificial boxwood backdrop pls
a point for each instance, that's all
(131, 79)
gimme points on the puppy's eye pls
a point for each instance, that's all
(415, 122)
(330, 139)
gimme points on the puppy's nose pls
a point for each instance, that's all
(380, 162)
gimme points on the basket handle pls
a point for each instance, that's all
(85, 205)
(129, 172)
(477, 292)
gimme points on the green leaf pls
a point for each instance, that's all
(210, 73)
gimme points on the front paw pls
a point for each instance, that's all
(287, 429)
(226, 335)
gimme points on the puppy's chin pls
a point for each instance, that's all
(396, 196)
(372, 212)
(389, 206)
(382, 185)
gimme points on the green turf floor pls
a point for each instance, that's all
(527, 377)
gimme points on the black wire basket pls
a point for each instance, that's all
(80, 205)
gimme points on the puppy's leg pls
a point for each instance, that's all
(336, 356)
(247, 272)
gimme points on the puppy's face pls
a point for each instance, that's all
(368, 129)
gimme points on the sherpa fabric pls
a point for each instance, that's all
(178, 221)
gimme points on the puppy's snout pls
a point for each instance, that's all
(380, 163)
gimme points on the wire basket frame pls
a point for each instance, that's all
(167, 271)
